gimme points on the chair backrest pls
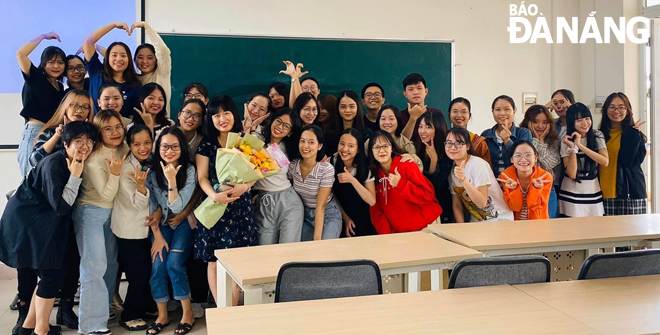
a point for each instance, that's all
(324, 280)
(512, 270)
(621, 264)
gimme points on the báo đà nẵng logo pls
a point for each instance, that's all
(637, 29)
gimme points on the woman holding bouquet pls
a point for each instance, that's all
(237, 227)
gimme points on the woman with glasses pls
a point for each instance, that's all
(196, 90)
(405, 199)
(35, 225)
(96, 242)
(622, 180)
(526, 186)
(75, 74)
(171, 185)
(472, 185)
(307, 109)
(279, 211)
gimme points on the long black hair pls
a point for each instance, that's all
(219, 104)
(628, 121)
(320, 138)
(358, 122)
(397, 116)
(145, 91)
(374, 165)
(464, 135)
(360, 160)
(50, 53)
(184, 159)
(301, 101)
(282, 90)
(437, 121)
(580, 111)
(129, 75)
(291, 140)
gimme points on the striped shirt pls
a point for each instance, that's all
(524, 211)
(322, 175)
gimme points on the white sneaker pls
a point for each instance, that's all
(173, 305)
(198, 311)
(111, 315)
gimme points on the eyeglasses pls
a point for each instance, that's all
(527, 156)
(279, 123)
(309, 88)
(187, 115)
(620, 109)
(310, 110)
(76, 107)
(79, 68)
(118, 128)
(373, 95)
(377, 148)
(457, 145)
(80, 143)
(174, 147)
(193, 96)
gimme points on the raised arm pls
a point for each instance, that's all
(295, 72)
(22, 54)
(90, 40)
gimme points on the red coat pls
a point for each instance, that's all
(410, 206)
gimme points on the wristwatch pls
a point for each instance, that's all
(293, 80)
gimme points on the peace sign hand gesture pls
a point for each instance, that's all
(115, 164)
(540, 181)
(508, 183)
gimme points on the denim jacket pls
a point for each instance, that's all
(517, 133)
(158, 196)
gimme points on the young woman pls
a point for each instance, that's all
(96, 242)
(405, 199)
(117, 67)
(582, 151)
(42, 92)
(131, 208)
(500, 138)
(75, 74)
(77, 105)
(110, 97)
(354, 185)
(237, 227)
(152, 102)
(561, 100)
(307, 108)
(546, 142)
(328, 112)
(432, 131)
(279, 95)
(171, 184)
(349, 108)
(526, 186)
(312, 180)
(154, 61)
(39, 212)
(622, 180)
(279, 210)
(189, 121)
(196, 90)
(255, 111)
(473, 186)
(460, 115)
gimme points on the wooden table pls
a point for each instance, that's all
(482, 310)
(628, 305)
(255, 269)
(534, 236)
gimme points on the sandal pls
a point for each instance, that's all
(134, 325)
(186, 327)
(158, 327)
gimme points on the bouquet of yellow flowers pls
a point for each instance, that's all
(243, 161)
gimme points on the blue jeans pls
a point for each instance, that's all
(98, 265)
(180, 241)
(25, 148)
(332, 222)
(553, 205)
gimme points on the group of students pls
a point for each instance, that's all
(111, 181)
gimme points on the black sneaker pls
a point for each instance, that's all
(14, 304)
(23, 309)
(66, 316)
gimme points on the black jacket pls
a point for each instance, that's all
(630, 182)
(440, 181)
(34, 227)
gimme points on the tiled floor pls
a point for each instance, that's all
(9, 179)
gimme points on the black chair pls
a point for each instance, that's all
(511, 270)
(324, 280)
(621, 264)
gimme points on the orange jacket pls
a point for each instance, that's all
(480, 147)
(537, 198)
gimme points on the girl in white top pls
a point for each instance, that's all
(154, 61)
(473, 185)
(279, 210)
(131, 209)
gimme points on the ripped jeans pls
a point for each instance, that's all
(173, 265)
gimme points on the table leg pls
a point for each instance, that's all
(436, 280)
(224, 282)
(253, 295)
(413, 282)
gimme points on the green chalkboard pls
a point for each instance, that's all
(240, 66)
